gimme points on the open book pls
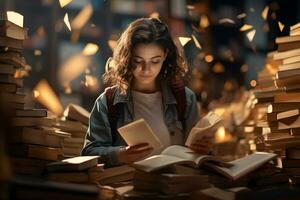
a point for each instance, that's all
(175, 154)
(183, 155)
(243, 166)
(205, 127)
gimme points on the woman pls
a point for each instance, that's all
(145, 60)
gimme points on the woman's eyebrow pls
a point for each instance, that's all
(150, 58)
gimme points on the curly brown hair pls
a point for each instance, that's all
(144, 30)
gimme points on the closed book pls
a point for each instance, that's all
(11, 30)
(41, 137)
(36, 151)
(10, 42)
(79, 163)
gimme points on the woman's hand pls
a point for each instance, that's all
(134, 153)
(202, 146)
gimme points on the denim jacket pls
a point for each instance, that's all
(99, 140)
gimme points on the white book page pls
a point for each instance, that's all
(158, 161)
(139, 132)
(244, 165)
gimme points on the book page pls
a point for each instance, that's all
(205, 127)
(139, 132)
(160, 161)
(243, 165)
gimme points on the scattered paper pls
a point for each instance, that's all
(264, 13)
(45, 95)
(184, 40)
(250, 35)
(63, 3)
(246, 27)
(196, 42)
(67, 22)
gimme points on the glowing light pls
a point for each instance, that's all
(204, 22)
(90, 49)
(222, 136)
(218, 68)
(154, 15)
(208, 58)
(253, 83)
(37, 52)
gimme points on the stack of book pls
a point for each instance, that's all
(75, 122)
(85, 169)
(31, 144)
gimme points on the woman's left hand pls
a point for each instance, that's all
(202, 146)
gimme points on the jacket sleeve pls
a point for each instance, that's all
(98, 140)
(191, 114)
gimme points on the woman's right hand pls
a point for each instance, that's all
(134, 153)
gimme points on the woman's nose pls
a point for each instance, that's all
(146, 67)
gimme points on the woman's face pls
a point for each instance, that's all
(147, 61)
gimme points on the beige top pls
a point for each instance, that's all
(149, 106)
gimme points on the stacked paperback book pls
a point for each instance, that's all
(278, 97)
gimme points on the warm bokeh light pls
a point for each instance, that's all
(184, 40)
(218, 68)
(44, 94)
(37, 52)
(222, 136)
(253, 83)
(67, 22)
(244, 68)
(154, 15)
(83, 17)
(15, 18)
(204, 22)
(90, 49)
(208, 58)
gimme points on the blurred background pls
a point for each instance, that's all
(225, 42)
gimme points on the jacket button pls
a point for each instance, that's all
(172, 133)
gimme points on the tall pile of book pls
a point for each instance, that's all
(279, 129)
(32, 142)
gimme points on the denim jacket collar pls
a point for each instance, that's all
(168, 97)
